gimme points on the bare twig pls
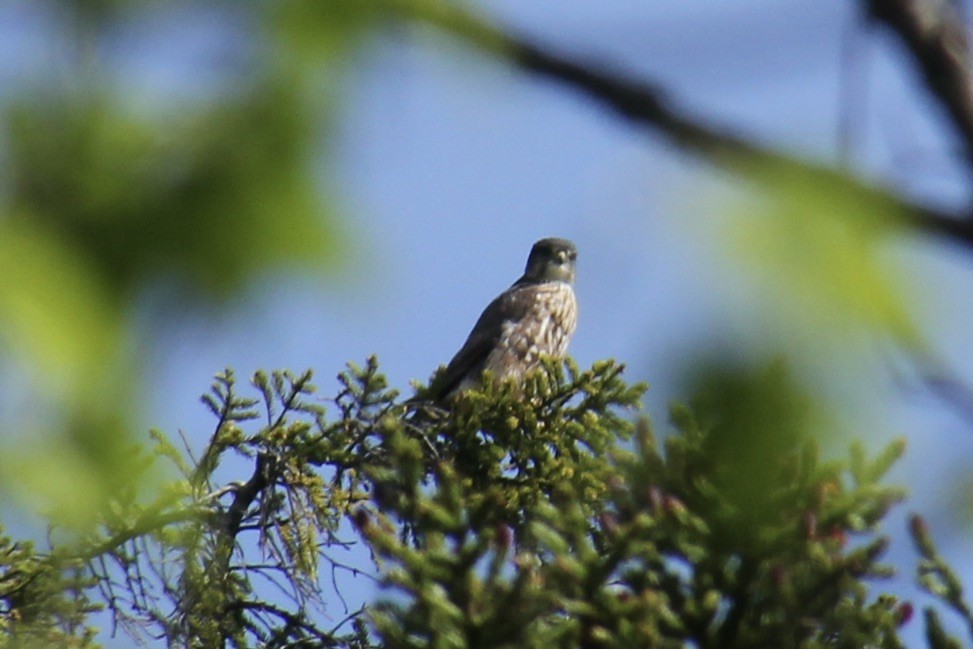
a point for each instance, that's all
(292, 622)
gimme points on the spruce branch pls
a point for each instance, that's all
(936, 576)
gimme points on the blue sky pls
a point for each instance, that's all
(449, 166)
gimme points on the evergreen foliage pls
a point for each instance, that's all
(525, 516)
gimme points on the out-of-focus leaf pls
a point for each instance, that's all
(218, 198)
(819, 254)
(755, 419)
(53, 309)
(71, 477)
(313, 32)
(101, 203)
(57, 320)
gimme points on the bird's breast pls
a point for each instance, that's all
(544, 328)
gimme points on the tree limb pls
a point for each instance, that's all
(646, 105)
(247, 493)
(935, 35)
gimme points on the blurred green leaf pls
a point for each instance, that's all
(57, 320)
(752, 421)
(211, 200)
(54, 312)
(316, 32)
(104, 200)
(818, 251)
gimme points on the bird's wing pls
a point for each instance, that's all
(511, 305)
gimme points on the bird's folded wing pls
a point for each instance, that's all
(510, 306)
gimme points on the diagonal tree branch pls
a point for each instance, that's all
(935, 35)
(646, 105)
(245, 495)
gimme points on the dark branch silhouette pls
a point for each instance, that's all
(935, 35)
(646, 104)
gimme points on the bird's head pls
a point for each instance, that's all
(551, 260)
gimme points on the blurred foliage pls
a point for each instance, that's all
(104, 201)
(206, 202)
(525, 516)
(817, 248)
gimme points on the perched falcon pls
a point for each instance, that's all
(535, 317)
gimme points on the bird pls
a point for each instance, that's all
(534, 318)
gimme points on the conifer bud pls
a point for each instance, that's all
(903, 613)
